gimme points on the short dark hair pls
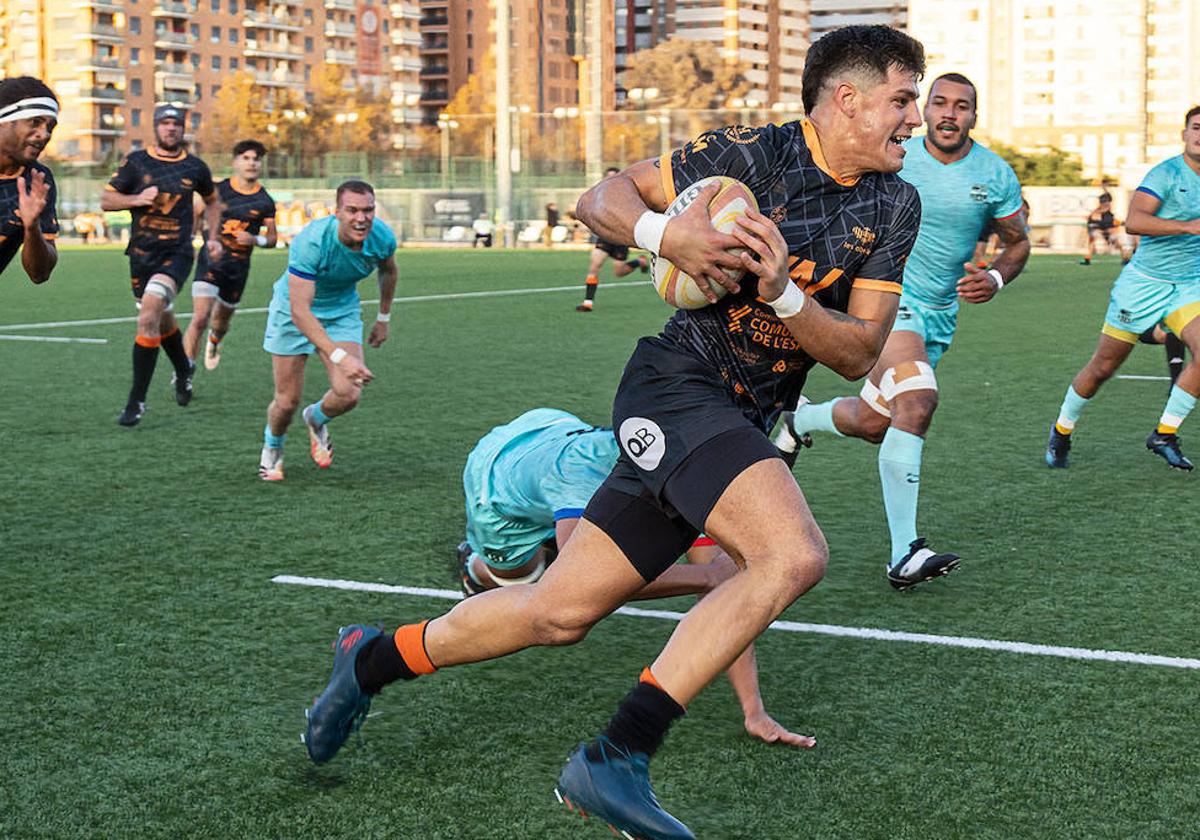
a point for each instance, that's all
(1186, 119)
(244, 146)
(612, 169)
(1105, 197)
(23, 87)
(354, 186)
(873, 49)
(958, 79)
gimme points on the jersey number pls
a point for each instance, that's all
(165, 202)
(802, 272)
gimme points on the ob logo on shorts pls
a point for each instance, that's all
(643, 441)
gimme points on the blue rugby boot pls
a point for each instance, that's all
(1057, 449)
(615, 786)
(343, 705)
(1166, 446)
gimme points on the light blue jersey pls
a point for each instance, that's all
(957, 200)
(524, 476)
(1171, 259)
(318, 255)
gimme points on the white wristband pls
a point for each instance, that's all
(788, 303)
(337, 355)
(648, 232)
(383, 317)
(261, 240)
(998, 277)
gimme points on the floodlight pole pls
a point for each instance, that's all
(503, 127)
(594, 150)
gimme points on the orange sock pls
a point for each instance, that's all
(147, 340)
(410, 641)
(648, 677)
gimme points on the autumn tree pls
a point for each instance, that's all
(690, 77)
(236, 114)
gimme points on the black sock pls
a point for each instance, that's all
(380, 663)
(589, 292)
(172, 345)
(636, 262)
(1175, 350)
(144, 359)
(641, 721)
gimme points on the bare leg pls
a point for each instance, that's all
(202, 308)
(289, 387)
(343, 394)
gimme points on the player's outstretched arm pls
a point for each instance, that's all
(388, 274)
(301, 293)
(1143, 222)
(613, 208)
(38, 254)
(979, 285)
(849, 343)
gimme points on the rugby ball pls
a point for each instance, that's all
(732, 200)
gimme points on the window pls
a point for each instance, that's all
(233, 7)
(216, 62)
(135, 88)
(308, 16)
(195, 61)
(216, 5)
(233, 35)
(135, 25)
(308, 45)
(195, 122)
(214, 90)
(233, 62)
(134, 145)
(135, 55)
(216, 35)
(195, 32)
(135, 117)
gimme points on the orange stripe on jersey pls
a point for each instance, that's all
(668, 180)
(877, 285)
(159, 155)
(50, 236)
(410, 641)
(16, 174)
(813, 141)
(234, 185)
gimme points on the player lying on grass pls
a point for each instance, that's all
(526, 485)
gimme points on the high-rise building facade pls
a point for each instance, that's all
(825, 15)
(1107, 80)
(112, 61)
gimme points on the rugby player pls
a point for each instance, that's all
(28, 115)
(157, 185)
(1160, 283)
(1103, 225)
(964, 187)
(526, 484)
(316, 308)
(622, 264)
(247, 220)
(693, 410)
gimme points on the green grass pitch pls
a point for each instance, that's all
(153, 679)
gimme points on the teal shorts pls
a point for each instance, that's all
(935, 325)
(1139, 302)
(283, 338)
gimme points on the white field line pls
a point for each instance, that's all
(800, 627)
(57, 339)
(258, 310)
(1143, 378)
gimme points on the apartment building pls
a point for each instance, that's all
(112, 61)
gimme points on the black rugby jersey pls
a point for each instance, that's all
(167, 223)
(12, 229)
(840, 235)
(240, 210)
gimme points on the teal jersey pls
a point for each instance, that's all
(1171, 258)
(524, 476)
(318, 255)
(957, 200)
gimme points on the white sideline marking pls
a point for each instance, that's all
(258, 310)
(1143, 378)
(54, 338)
(800, 627)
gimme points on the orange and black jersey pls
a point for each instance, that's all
(12, 229)
(241, 210)
(167, 223)
(840, 235)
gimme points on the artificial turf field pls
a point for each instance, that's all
(153, 677)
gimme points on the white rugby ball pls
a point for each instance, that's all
(733, 199)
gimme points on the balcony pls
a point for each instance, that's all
(175, 80)
(105, 33)
(102, 5)
(434, 47)
(434, 21)
(96, 62)
(405, 11)
(280, 23)
(171, 9)
(405, 38)
(170, 40)
(175, 97)
(344, 5)
(272, 49)
(340, 30)
(403, 64)
(275, 79)
(102, 94)
(435, 71)
(341, 57)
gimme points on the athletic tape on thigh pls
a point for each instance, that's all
(160, 289)
(871, 396)
(529, 578)
(204, 289)
(905, 377)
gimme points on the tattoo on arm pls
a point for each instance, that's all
(1011, 230)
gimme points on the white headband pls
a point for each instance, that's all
(35, 106)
